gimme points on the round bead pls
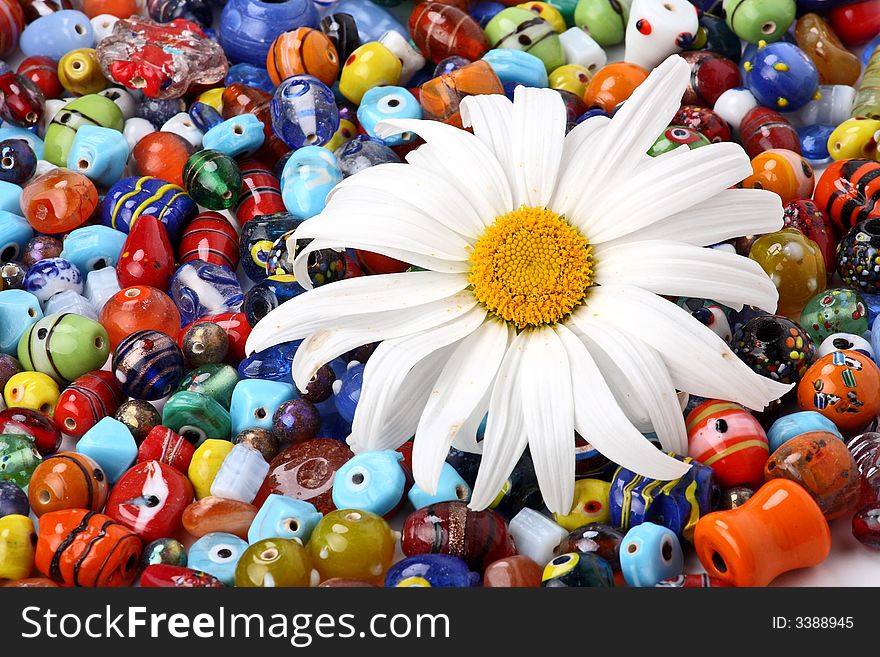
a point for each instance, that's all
(842, 386)
(274, 562)
(67, 480)
(204, 343)
(148, 365)
(33, 390)
(858, 260)
(834, 311)
(775, 347)
(303, 51)
(352, 543)
(86, 401)
(64, 346)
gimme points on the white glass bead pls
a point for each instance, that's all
(136, 129)
(241, 474)
(101, 284)
(412, 59)
(666, 27)
(733, 105)
(580, 48)
(123, 99)
(182, 124)
(102, 25)
(69, 301)
(535, 535)
(841, 341)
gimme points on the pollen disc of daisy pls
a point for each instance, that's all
(535, 301)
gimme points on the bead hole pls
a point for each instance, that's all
(632, 548)
(768, 331)
(198, 348)
(46, 409)
(238, 130)
(77, 65)
(31, 117)
(311, 138)
(132, 293)
(79, 29)
(70, 423)
(718, 563)
(842, 343)
(269, 555)
(769, 27)
(42, 333)
(357, 478)
(666, 550)
(7, 162)
(260, 413)
(44, 497)
(293, 524)
(32, 312)
(82, 164)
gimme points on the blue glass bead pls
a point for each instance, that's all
(363, 152)
(33, 140)
(284, 517)
(93, 247)
(872, 301)
(252, 76)
(54, 35)
(272, 364)
(254, 402)
(201, 288)
(873, 44)
(450, 64)
(517, 67)
(17, 161)
(101, 284)
(70, 302)
(578, 570)
(240, 135)
(649, 554)
(248, 27)
(197, 11)
(111, 444)
(204, 117)
(15, 232)
(371, 481)
(308, 177)
(267, 295)
(431, 570)
(381, 103)
(814, 143)
(217, 554)
(782, 77)
(196, 417)
(483, 12)
(240, 475)
(10, 197)
(158, 112)
(334, 426)
(51, 276)
(19, 310)
(372, 21)
(148, 365)
(13, 500)
(304, 112)
(794, 424)
(98, 153)
(132, 197)
(347, 391)
(257, 238)
(450, 488)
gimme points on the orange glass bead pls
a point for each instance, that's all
(59, 201)
(836, 64)
(217, 514)
(442, 96)
(138, 308)
(780, 528)
(843, 387)
(795, 265)
(31, 583)
(613, 84)
(441, 31)
(240, 99)
(162, 155)
(80, 548)
(118, 8)
(303, 51)
(67, 480)
(820, 462)
(783, 172)
(517, 571)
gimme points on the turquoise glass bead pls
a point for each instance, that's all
(372, 21)
(794, 424)
(15, 232)
(19, 310)
(33, 140)
(284, 517)
(240, 135)
(382, 103)
(196, 417)
(70, 302)
(241, 474)
(98, 153)
(93, 247)
(55, 35)
(254, 402)
(10, 197)
(649, 554)
(217, 554)
(450, 488)
(371, 481)
(515, 67)
(111, 445)
(307, 178)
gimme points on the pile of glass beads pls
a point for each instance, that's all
(153, 161)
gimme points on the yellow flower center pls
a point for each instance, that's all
(531, 267)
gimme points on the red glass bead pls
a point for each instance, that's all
(711, 75)
(704, 121)
(58, 201)
(209, 237)
(138, 308)
(441, 31)
(165, 446)
(28, 422)
(23, 100)
(237, 332)
(11, 25)
(805, 216)
(856, 23)
(34, 9)
(162, 155)
(160, 575)
(118, 8)
(762, 129)
(43, 72)
(150, 499)
(260, 192)
(86, 401)
(146, 257)
(376, 263)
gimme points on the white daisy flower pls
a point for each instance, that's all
(543, 255)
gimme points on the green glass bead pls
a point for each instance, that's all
(566, 8)
(273, 563)
(196, 417)
(352, 543)
(838, 310)
(18, 458)
(520, 29)
(759, 20)
(675, 136)
(212, 179)
(65, 346)
(92, 109)
(215, 380)
(604, 20)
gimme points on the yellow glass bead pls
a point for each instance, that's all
(33, 390)
(213, 97)
(571, 77)
(274, 563)
(548, 12)
(795, 265)
(17, 543)
(80, 73)
(855, 139)
(370, 65)
(346, 132)
(352, 543)
(590, 504)
(206, 461)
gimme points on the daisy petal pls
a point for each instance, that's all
(598, 418)
(466, 438)
(698, 361)
(297, 318)
(537, 133)
(490, 116)
(505, 438)
(548, 415)
(352, 331)
(578, 163)
(462, 383)
(641, 373)
(678, 269)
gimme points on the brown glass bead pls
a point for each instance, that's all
(41, 247)
(217, 514)
(139, 416)
(262, 440)
(836, 64)
(205, 343)
(596, 537)
(345, 582)
(517, 571)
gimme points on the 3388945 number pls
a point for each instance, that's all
(823, 622)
